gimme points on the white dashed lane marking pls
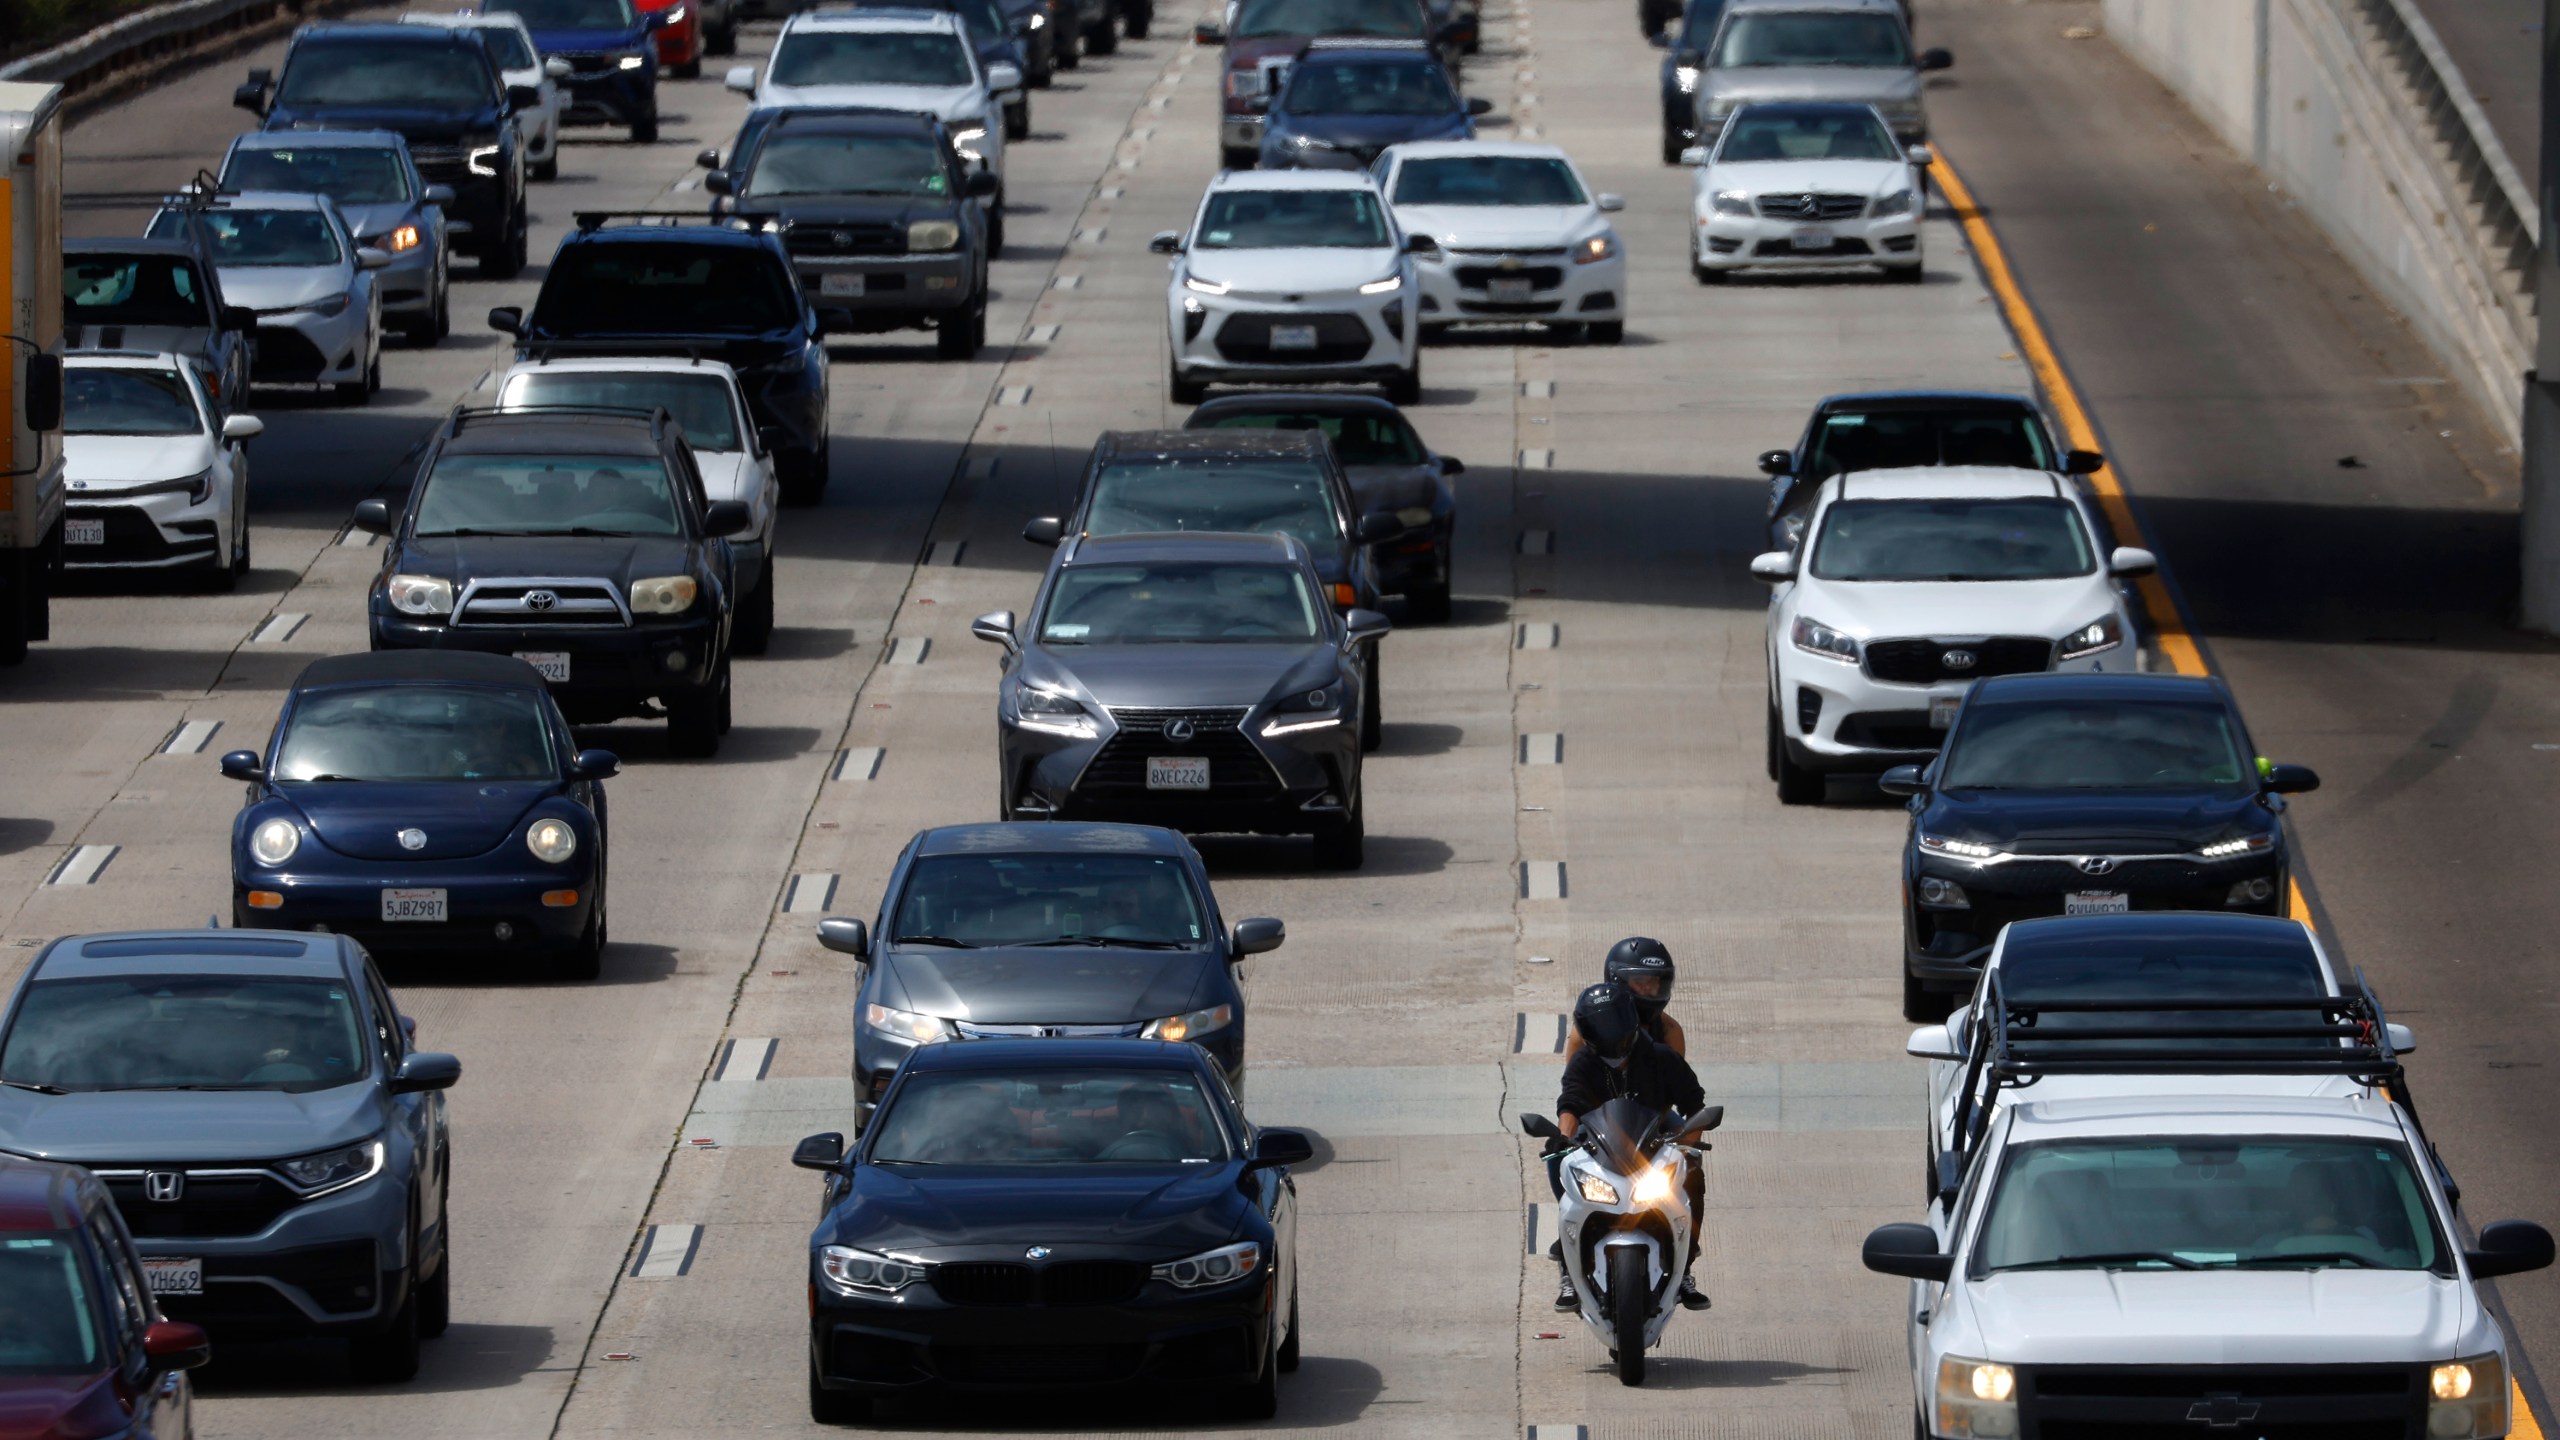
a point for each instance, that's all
(1538, 636)
(1541, 879)
(910, 649)
(666, 1252)
(1066, 282)
(1537, 542)
(356, 539)
(1542, 749)
(1541, 459)
(1538, 389)
(1014, 395)
(745, 1059)
(1537, 1034)
(278, 629)
(861, 763)
(82, 865)
(191, 737)
(808, 894)
(1043, 335)
(945, 552)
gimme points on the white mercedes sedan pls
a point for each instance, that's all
(1522, 236)
(1806, 186)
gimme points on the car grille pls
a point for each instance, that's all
(1340, 338)
(1841, 245)
(1037, 1364)
(2376, 1402)
(540, 602)
(1924, 662)
(844, 240)
(211, 1205)
(285, 353)
(1540, 277)
(1890, 730)
(1069, 1282)
(596, 65)
(440, 164)
(132, 536)
(975, 1284)
(1091, 1282)
(1812, 207)
(1235, 766)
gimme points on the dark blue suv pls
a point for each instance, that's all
(613, 59)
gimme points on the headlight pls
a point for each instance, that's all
(1733, 202)
(1314, 709)
(333, 1169)
(551, 841)
(1686, 77)
(2095, 638)
(967, 142)
(631, 62)
(1190, 1026)
(1940, 894)
(1897, 203)
(403, 238)
(484, 160)
(1900, 111)
(327, 307)
(1815, 638)
(906, 1024)
(849, 1270)
(199, 486)
(1387, 286)
(2238, 845)
(274, 841)
(933, 234)
(1054, 712)
(2468, 1399)
(1216, 1267)
(675, 14)
(1603, 246)
(1244, 84)
(1205, 287)
(1654, 1185)
(1595, 1189)
(664, 595)
(1038, 21)
(1959, 849)
(419, 594)
(1975, 1399)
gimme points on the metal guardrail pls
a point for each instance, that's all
(2481, 164)
(161, 31)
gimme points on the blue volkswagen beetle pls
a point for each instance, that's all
(425, 802)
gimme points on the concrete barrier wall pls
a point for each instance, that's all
(2308, 92)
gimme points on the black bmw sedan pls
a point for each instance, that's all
(1054, 1213)
(2080, 794)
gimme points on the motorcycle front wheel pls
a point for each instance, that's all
(1629, 1301)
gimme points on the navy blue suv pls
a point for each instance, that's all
(612, 55)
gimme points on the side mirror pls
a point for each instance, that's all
(1694, 155)
(820, 1152)
(1291, 1147)
(996, 628)
(835, 320)
(438, 195)
(424, 1071)
(1931, 1042)
(558, 68)
(373, 517)
(1937, 60)
(770, 438)
(2403, 1039)
(243, 427)
(1166, 242)
(1205, 33)
(1659, 39)
(1047, 530)
(845, 937)
(521, 98)
(1421, 245)
(706, 159)
(251, 97)
(1364, 626)
(1257, 936)
(2509, 1247)
(243, 765)
(2083, 462)
(1540, 1127)
(1903, 780)
(1700, 1123)
(1004, 75)
(1911, 1251)
(175, 1345)
(2127, 562)
(1478, 105)
(1609, 204)
(2288, 779)
(44, 393)
(1777, 462)
(981, 185)
(741, 78)
(719, 183)
(507, 320)
(1379, 525)
(1773, 567)
(596, 765)
(1921, 155)
(727, 517)
(658, 19)
(368, 258)
(1452, 465)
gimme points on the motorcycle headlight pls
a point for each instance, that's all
(1733, 202)
(1388, 286)
(1055, 712)
(551, 841)
(1190, 1026)
(2468, 1398)
(400, 239)
(274, 841)
(1976, 1398)
(968, 141)
(906, 1025)
(419, 594)
(664, 595)
(1595, 1189)
(1215, 1267)
(1897, 203)
(1603, 246)
(2095, 638)
(850, 1270)
(333, 1169)
(1815, 638)
(631, 62)
(1654, 1185)
(484, 159)
(933, 234)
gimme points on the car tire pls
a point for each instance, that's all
(1102, 39)
(1911, 274)
(961, 335)
(1920, 1004)
(1428, 605)
(693, 719)
(1796, 784)
(995, 231)
(352, 392)
(835, 1407)
(804, 475)
(435, 1297)
(1184, 391)
(1017, 121)
(1406, 388)
(1289, 1354)
(1373, 688)
(584, 957)
(1068, 49)
(1259, 1398)
(1606, 332)
(1135, 24)
(388, 1356)
(753, 633)
(240, 546)
(1233, 157)
(506, 259)
(548, 167)
(1342, 844)
(443, 324)
(723, 41)
(645, 131)
(1672, 144)
(689, 70)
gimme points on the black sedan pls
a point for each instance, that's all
(1351, 97)
(1054, 1213)
(1907, 429)
(425, 801)
(2084, 795)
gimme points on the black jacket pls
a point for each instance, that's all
(1652, 1074)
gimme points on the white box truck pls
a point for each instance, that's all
(31, 485)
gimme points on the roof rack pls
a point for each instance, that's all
(656, 415)
(597, 219)
(1368, 42)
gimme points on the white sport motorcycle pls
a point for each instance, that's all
(1624, 1223)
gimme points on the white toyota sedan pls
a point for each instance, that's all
(1806, 186)
(1522, 236)
(159, 478)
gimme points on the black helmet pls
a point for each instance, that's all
(1639, 958)
(1607, 1020)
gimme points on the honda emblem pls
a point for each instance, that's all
(164, 1186)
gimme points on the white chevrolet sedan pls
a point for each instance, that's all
(1522, 236)
(1806, 186)
(159, 478)
(1290, 277)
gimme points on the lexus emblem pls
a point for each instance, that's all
(2222, 1412)
(413, 838)
(1042, 1252)
(2096, 865)
(164, 1186)
(541, 600)
(1179, 730)
(1959, 660)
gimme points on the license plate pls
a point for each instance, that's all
(414, 905)
(84, 532)
(173, 1277)
(841, 286)
(1810, 237)
(1507, 290)
(1942, 710)
(2095, 902)
(552, 665)
(1177, 772)
(1293, 337)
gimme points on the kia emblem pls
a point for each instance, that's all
(413, 838)
(2096, 865)
(541, 600)
(164, 1186)
(1959, 660)
(1179, 730)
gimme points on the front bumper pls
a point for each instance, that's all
(1284, 785)
(150, 532)
(613, 672)
(1946, 947)
(897, 291)
(1241, 131)
(302, 348)
(1162, 1336)
(1230, 337)
(1461, 285)
(611, 96)
(482, 894)
(1738, 242)
(408, 284)
(335, 1265)
(1839, 719)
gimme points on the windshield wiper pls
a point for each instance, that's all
(37, 1086)
(325, 777)
(591, 530)
(2307, 1257)
(2110, 1260)
(1108, 940)
(933, 940)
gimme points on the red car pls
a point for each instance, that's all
(83, 1350)
(680, 44)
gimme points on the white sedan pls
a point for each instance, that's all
(159, 479)
(1522, 236)
(1806, 186)
(294, 260)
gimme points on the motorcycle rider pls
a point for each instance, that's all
(1643, 965)
(1618, 1059)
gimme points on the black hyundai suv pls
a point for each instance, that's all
(879, 213)
(578, 540)
(440, 89)
(671, 285)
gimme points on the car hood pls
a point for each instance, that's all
(1372, 133)
(461, 818)
(730, 475)
(280, 287)
(1181, 676)
(105, 464)
(1310, 270)
(620, 559)
(158, 339)
(1246, 53)
(820, 211)
(2260, 1317)
(945, 102)
(2107, 822)
(588, 42)
(1392, 487)
(2047, 609)
(1785, 177)
(1054, 985)
(1499, 227)
(1871, 83)
(60, 1407)
(370, 222)
(184, 1126)
(413, 125)
(1164, 1211)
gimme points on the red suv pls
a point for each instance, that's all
(83, 1350)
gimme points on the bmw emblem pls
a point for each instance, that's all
(413, 838)
(1037, 1252)
(1959, 660)
(1179, 730)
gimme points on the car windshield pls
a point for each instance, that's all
(2122, 744)
(1358, 439)
(1290, 219)
(627, 288)
(1011, 898)
(100, 400)
(570, 14)
(1848, 440)
(416, 732)
(1774, 133)
(806, 164)
(548, 495)
(2208, 1202)
(506, 46)
(700, 402)
(142, 290)
(1817, 37)
(251, 238)
(185, 1032)
(1398, 19)
(1698, 24)
(872, 57)
(51, 1324)
(1488, 180)
(2097, 965)
(1143, 497)
(1394, 87)
(1913, 540)
(1066, 1116)
(386, 75)
(1181, 602)
(344, 173)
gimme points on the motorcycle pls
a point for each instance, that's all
(1624, 1222)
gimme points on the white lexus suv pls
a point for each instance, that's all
(914, 60)
(1293, 277)
(1913, 584)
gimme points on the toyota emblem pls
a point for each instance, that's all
(1959, 660)
(164, 1186)
(541, 600)
(2096, 865)
(1180, 730)
(1037, 1252)
(413, 838)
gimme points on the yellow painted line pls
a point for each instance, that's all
(2296, 906)
(2526, 1426)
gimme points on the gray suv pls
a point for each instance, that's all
(252, 1101)
(1854, 50)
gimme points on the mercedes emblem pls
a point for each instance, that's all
(1179, 730)
(541, 600)
(413, 838)
(1959, 659)
(2096, 865)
